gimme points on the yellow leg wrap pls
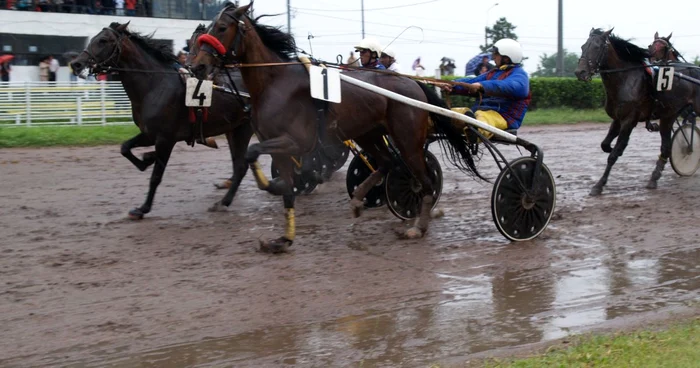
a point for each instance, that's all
(260, 178)
(290, 232)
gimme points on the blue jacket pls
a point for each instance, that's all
(375, 65)
(506, 90)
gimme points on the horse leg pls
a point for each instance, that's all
(620, 145)
(373, 145)
(280, 148)
(283, 146)
(238, 144)
(413, 154)
(613, 132)
(231, 147)
(665, 129)
(164, 147)
(140, 140)
(283, 186)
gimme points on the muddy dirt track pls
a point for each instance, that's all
(82, 286)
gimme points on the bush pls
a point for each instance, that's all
(553, 92)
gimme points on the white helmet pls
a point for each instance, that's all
(370, 43)
(389, 52)
(511, 48)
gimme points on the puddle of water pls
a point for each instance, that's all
(470, 314)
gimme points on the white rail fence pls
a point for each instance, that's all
(63, 104)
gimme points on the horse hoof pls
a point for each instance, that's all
(211, 143)
(651, 184)
(606, 148)
(413, 233)
(217, 207)
(356, 206)
(226, 184)
(437, 213)
(276, 246)
(596, 191)
(136, 214)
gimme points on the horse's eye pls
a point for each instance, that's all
(102, 40)
(221, 29)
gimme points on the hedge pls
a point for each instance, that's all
(553, 92)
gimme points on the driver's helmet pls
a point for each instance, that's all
(509, 47)
(389, 52)
(370, 43)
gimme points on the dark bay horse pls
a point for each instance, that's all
(285, 116)
(631, 96)
(661, 49)
(157, 96)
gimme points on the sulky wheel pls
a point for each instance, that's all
(333, 158)
(521, 213)
(685, 150)
(303, 184)
(403, 192)
(357, 173)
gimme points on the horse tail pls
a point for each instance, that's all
(456, 149)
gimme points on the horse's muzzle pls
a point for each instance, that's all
(77, 67)
(583, 75)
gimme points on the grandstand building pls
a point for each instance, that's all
(33, 29)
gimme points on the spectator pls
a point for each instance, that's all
(182, 58)
(5, 70)
(120, 7)
(418, 67)
(352, 59)
(484, 64)
(73, 77)
(44, 70)
(107, 7)
(131, 8)
(53, 68)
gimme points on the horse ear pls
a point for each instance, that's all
(669, 36)
(245, 9)
(656, 35)
(608, 32)
(122, 27)
(592, 31)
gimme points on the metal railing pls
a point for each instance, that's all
(63, 103)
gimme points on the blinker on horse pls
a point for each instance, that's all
(285, 115)
(157, 96)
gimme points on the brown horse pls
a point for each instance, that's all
(286, 118)
(631, 96)
(661, 49)
(157, 95)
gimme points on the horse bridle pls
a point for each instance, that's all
(240, 33)
(599, 60)
(666, 45)
(104, 65)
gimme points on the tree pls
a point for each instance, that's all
(697, 60)
(501, 29)
(548, 65)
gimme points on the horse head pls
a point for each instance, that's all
(593, 54)
(103, 50)
(224, 41)
(661, 49)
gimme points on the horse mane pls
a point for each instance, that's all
(200, 28)
(274, 38)
(160, 51)
(625, 49)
